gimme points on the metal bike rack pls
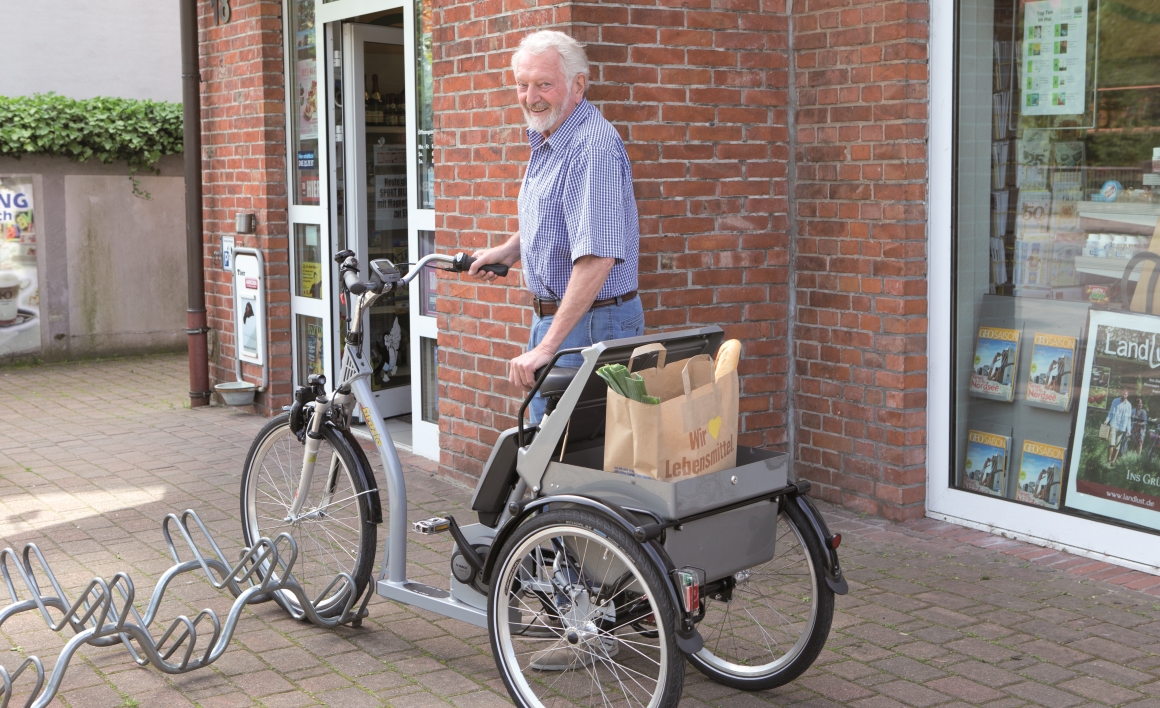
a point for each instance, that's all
(101, 618)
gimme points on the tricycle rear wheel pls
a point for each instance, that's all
(579, 614)
(766, 625)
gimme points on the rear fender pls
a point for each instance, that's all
(833, 569)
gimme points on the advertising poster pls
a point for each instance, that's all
(390, 202)
(307, 100)
(310, 279)
(1115, 461)
(996, 355)
(1054, 57)
(315, 354)
(19, 289)
(986, 464)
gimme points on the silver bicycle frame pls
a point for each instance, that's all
(356, 373)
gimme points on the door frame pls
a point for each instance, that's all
(425, 434)
(354, 38)
(307, 214)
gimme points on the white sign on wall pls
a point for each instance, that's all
(249, 309)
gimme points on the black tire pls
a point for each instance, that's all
(582, 635)
(771, 594)
(339, 538)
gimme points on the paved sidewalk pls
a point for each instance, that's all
(93, 455)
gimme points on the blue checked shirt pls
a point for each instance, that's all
(577, 201)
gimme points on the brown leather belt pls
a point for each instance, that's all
(546, 308)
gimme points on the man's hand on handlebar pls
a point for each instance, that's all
(489, 256)
(522, 369)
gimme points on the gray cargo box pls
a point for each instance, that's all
(721, 544)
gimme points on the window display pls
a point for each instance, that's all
(304, 104)
(424, 106)
(311, 347)
(1057, 188)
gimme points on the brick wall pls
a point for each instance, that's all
(244, 170)
(860, 251)
(698, 91)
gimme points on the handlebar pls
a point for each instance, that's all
(388, 273)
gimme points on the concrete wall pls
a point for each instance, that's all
(112, 264)
(124, 48)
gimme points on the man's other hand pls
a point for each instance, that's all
(522, 369)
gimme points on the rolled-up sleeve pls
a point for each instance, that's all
(594, 209)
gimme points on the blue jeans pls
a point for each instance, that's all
(601, 324)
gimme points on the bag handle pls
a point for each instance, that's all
(686, 377)
(1142, 257)
(648, 349)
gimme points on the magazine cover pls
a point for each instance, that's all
(996, 356)
(1115, 461)
(1049, 381)
(986, 467)
(1040, 474)
(1031, 263)
(1033, 214)
(1033, 154)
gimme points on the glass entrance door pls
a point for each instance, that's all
(377, 217)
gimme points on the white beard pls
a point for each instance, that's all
(542, 122)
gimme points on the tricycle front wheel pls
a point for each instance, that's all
(764, 626)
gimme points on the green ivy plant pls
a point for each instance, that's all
(109, 129)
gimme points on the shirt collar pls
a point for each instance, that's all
(564, 134)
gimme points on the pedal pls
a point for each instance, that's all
(432, 526)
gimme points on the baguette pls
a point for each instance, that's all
(727, 358)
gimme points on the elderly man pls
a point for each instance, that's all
(578, 234)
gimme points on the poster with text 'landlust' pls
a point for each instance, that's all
(1054, 57)
(1115, 458)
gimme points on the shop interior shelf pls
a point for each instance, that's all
(1133, 213)
(1106, 267)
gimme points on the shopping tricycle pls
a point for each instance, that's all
(594, 586)
(591, 584)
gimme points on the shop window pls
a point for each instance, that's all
(429, 351)
(307, 250)
(424, 111)
(1057, 188)
(428, 282)
(304, 100)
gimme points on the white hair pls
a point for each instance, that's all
(573, 58)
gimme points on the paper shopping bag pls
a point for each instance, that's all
(692, 431)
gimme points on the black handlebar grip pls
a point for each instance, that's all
(463, 263)
(353, 284)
